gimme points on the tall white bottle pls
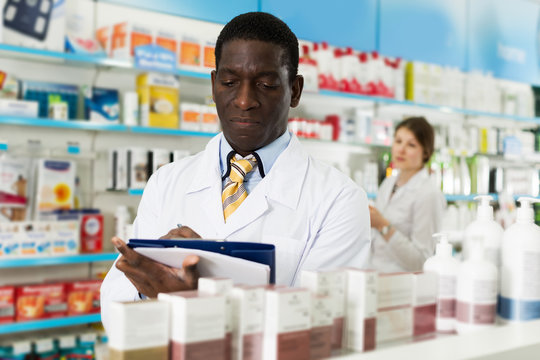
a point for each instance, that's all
(484, 227)
(446, 267)
(476, 291)
(520, 271)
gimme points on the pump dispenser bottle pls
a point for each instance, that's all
(486, 228)
(520, 271)
(446, 267)
(476, 291)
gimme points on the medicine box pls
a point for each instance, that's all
(322, 321)
(19, 108)
(287, 324)
(101, 105)
(40, 301)
(7, 304)
(139, 330)
(424, 302)
(42, 92)
(248, 322)
(394, 306)
(83, 297)
(128, 35)
(159, 95)
(198, 325)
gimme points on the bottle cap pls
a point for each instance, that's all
(484, 211)
(525, 213)
(443, 248)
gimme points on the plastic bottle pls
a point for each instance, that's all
(476, 291)
(487, 229)
(520, 270)
(446, 267)
(121, 219)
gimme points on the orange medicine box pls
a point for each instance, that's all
(40, 301)
(190, 52)
(7, 304)
(126, 37)
(167, 40)
(83, 297)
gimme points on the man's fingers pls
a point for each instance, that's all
(183, 232)
(129, 254)
(190, 272)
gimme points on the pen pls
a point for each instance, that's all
(179, 225)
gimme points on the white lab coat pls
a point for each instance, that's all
(415, 210)
(315, 216)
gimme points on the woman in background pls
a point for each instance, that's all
(409, 206)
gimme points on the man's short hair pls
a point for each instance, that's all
(265, 27)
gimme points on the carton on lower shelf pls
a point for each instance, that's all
(139, 330)
(394, 306)
(424, 303)
(7, 304)
(287, 324)
(322, 321)
(197, 325)
(329, 283)
(248, 322)
(83, 297)
(40, 301)
(361, 310)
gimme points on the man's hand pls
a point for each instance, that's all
(183, 232)
(151, 277)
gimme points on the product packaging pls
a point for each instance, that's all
(101, 105)
(7, 304)
(35, 24)
(65, 237)
(83, 297)
(157, 158)
(329, 283)
(9, 86)
(361, 310)
(446, 268)
(486, 228)
(91, 231)
(61, 93)
(19, 108)
(41, 301)
(322, 321)
(209, 119)
(198, 325)
(121, 219)
(476, 291)
(139, 330)
(190, 52)
(520, 276)
(424, 303)
(307, 66)
(55, 185)
(126, 36)
(190, 116)
(287, 324)
(35, 238)
(209, 59)
(130, 109)
(167, 40)
(159, 96)
(247, 322)
(394, 308)
(137, 167)
(45, 348)
(10, 239)
(80, 22)
(14, 173)
(221, 286)
(118, 169)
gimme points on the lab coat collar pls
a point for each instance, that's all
(414, 182)
(206, 176)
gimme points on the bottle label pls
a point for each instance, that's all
(531, 275)
(446, 308)
(519, 310)
(480, 314)
(447, 286)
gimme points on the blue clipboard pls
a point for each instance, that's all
(256, 252)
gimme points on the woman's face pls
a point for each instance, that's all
(407, 153)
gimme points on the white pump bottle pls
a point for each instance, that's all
(476, 292)
(520, 271)
(487, 229)
(446, 267)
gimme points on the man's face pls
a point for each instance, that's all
(252, 92)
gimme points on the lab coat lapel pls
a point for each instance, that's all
(206, 185)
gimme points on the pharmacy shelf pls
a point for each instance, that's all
(443, 109)
(87, 59)
(71, 124)
(135, 192)
(172, 132)
(48, 323)
(57, 260)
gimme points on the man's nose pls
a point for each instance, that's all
(245, 98)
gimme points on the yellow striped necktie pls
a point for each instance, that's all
(234, 191)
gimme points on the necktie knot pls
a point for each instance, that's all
(235, 192)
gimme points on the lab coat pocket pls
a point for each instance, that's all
(288, 254)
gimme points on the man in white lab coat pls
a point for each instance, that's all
(316, 216)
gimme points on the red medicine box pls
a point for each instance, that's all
(40, 301)
(7, 304)
(83, 297)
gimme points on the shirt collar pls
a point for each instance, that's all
(267, 154)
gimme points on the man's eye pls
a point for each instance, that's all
(268, 85)
(227, 83)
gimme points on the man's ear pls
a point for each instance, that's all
(296, 91)
(213, 75)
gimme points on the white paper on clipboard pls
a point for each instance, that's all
(212, 264)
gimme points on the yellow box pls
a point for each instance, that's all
(159, 96)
